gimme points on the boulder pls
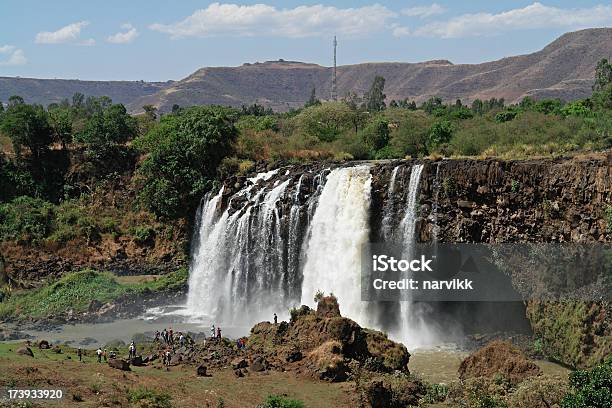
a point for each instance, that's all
(201, 371)
(402, 393)
(24, 351)
(498, 357)
(106, 309)
(327, 362)
(176, 359)
(57, 349)
(137, 361)
(239, 363)
(293, 356)
(259, 364)
(119, 364)
(94, 306)
(44, 345)
(239, 373)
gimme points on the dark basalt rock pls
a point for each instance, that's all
(119, 364)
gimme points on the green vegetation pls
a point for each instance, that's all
(77, 290)
(590, 388)
(85, 170)
(277, 401)
(147, 398)
(182, 156)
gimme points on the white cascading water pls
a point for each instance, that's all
(226, 281)
(339, 228)
(275, 244)
(414, 331)
(389, 209)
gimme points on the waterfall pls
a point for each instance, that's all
(238, 273)
(280, 239)
(414, 330)
(340, 226)
(389, 208)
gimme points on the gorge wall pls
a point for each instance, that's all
(269, 242)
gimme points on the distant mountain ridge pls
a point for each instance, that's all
(46, 91)
(563, 69)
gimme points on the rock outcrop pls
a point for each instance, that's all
(324, 344)
(498, 358)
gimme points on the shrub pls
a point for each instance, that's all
(25, 218)
(277, 401)
(435, 393)
(439, 133)
(505, 116)
(144, 234)
(376, 134)
(590, 388)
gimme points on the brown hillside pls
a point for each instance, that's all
(563, 69)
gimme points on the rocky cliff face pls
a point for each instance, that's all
(492, 201)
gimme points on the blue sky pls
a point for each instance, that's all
(161, 40)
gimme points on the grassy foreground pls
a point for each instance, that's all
(77, 290)
(90, 384)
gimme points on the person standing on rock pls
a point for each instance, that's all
(212, 331)
(219, 333)
(99, 354)
(80, 354)
(171, 336)
(156, 336)
(165, 335)
(181, 339)
(104, 354)
(275, 319)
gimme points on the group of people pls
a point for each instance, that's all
(102, 354)
(169, 337)
(215, 333)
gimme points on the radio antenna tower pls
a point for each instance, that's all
(334, 93)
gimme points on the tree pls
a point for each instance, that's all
(60, 120)
(27, 125)
(376, 134)
(326, 121)
(183, 153)
(603, 75)
(108, 126)
(432, 104)
(312, 101)
(375, 97)
(439, 133)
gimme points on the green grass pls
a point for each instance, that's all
(76, 291)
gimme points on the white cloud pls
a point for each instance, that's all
(424, 11)
(67, 34)
(533, 16)
(264, 20)
(401, 31)
(124, 37)
(15, 56)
